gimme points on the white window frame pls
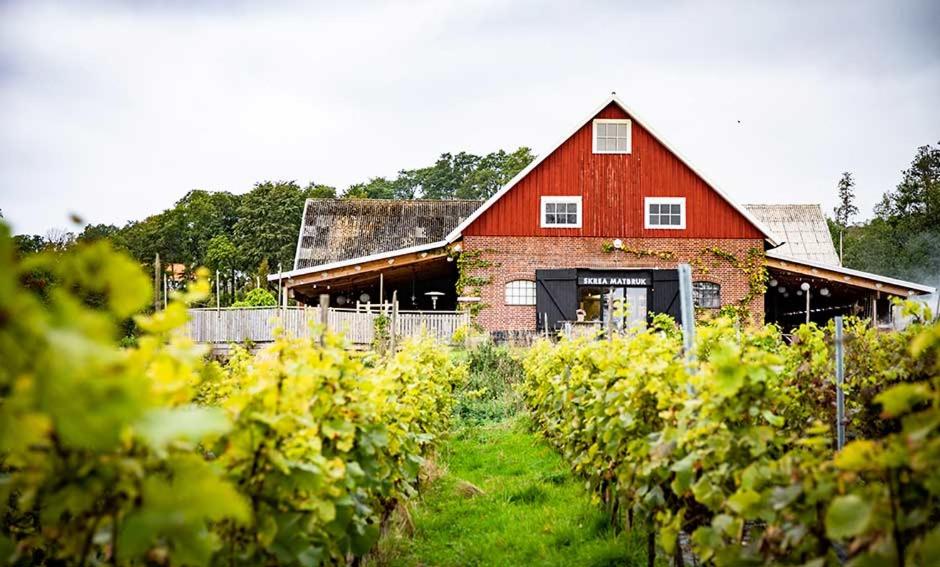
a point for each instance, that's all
(626, 121)
(568, 199)
(714, 286)
(663, 201)
(506, 298)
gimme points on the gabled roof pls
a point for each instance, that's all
(456, 233)
(335, 230)
(801, 228)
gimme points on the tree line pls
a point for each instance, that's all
(253, 233)
(902, 239)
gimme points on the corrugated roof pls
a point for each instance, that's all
(801, 228)
(334, 230)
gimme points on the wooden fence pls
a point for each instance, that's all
(257, 324)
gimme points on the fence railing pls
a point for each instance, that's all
(257, 324)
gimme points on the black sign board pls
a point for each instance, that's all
(618, 278)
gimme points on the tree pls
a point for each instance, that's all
(269, 220)
(59, 239)
(846, 209)
(375, 188)
(93, 232)
(28, 243)
(221, 254)
(904, 237)
(462, 175)
(199, 217)
(916, 200)
(492, 172)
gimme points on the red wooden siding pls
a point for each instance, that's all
(612, 188)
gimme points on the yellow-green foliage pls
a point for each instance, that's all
(151, 455)
(323, 446)
(730, 448)
(99, 443)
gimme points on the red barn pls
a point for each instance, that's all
(592, 230)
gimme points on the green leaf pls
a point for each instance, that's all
(188, 423)
(743, 501)
(772, 419)
(858, 455)
(847, 516)
(899, 399)
(729, 379)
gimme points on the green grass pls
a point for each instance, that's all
(532, 510)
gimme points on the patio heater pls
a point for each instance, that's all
(434, 295)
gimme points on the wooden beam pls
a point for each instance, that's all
(831, 275)
(366, 267)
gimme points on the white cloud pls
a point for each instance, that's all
(114, 111)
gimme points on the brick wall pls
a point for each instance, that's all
(517, 258)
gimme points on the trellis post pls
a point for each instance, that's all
(687, 310)
(840, 377)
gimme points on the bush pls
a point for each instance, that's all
(99, 444)
(489, 391)
(731, 449)
(258, 297)
(150, 455)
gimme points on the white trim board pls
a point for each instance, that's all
(457, 232)
(300, 237)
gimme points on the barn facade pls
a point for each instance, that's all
(591, 231)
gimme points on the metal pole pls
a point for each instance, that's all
(687, 310)
(807, 306)
(218, 291)
(609, 320)
(840, 377)
(381, 291)
(280, 290)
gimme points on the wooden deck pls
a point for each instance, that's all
(221, 327)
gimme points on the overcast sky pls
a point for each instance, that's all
(114, 110)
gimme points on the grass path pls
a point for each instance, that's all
(531, 511)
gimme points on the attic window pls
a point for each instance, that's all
(665, 212)
(612, 136)
(561, 212)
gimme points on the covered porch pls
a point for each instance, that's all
(830, 290)
(421, 280)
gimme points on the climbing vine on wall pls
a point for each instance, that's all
(752, 266)
(470, 282)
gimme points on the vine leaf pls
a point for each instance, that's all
(847, 516)
(898, 400)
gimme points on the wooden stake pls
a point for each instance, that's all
(394, 322)
(156, 282)
(324, 315)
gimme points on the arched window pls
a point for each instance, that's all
(520, 292)
(706, 295)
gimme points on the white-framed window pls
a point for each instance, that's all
(520, 292)
(613, 136)
(706, 295)
(561, 212)
(664, 212)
